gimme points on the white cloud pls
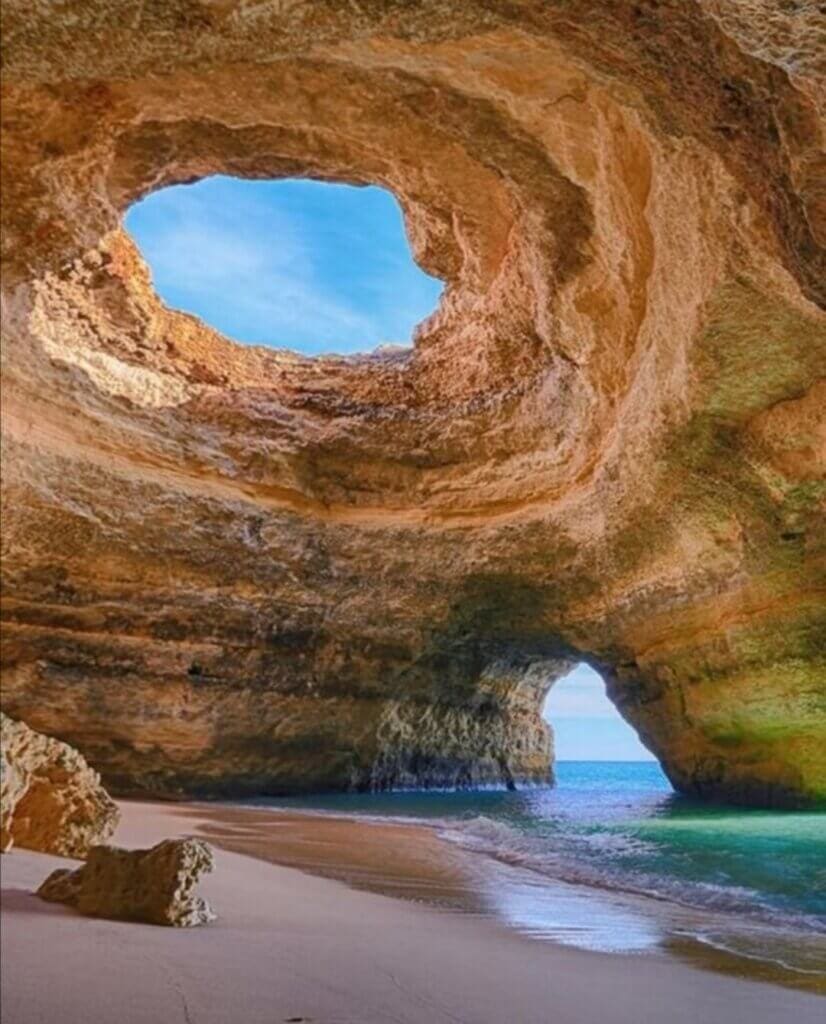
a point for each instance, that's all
(277, 269)
(579, 694)
(586, 724)
(261, 287)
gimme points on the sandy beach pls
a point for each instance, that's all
(292, 946)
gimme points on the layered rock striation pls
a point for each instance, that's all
(235, 569)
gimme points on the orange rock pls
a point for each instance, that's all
(238, 569)
(51, 799)
(153, 885)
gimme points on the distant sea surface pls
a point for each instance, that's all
(611, 859)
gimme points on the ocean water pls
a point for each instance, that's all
(611, 859)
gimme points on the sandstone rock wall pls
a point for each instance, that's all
(232, 568)
(50, 799)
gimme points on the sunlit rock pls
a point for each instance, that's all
(155, 886)
(50, 799)
(235, 569)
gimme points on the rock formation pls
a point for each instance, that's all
(50, 799)
(155, 886)
(234, 569)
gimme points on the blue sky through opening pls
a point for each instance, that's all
(587, 726)
(318, 268)
(296, 264)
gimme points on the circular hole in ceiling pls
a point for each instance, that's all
(299, 264)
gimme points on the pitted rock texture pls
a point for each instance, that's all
(236, 569)
(155, 886)
(50, 799)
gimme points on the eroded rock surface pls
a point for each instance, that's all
(50, 799)
(155, 886)
(234, 569)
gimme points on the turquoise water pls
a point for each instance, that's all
(616, 829)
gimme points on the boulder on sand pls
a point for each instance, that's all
(153, 885)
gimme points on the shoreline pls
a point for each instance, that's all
(290, 944)
(452, 875)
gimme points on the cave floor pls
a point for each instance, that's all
(290, 946)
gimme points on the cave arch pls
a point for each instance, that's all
(605, 444)
(586, 725)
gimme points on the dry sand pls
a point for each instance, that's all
(290, 946)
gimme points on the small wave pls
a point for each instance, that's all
(563, 860)
(593, 856)
(731, 945)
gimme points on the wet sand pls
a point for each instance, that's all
(409, 861)
(290, 945)
(405, 861)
